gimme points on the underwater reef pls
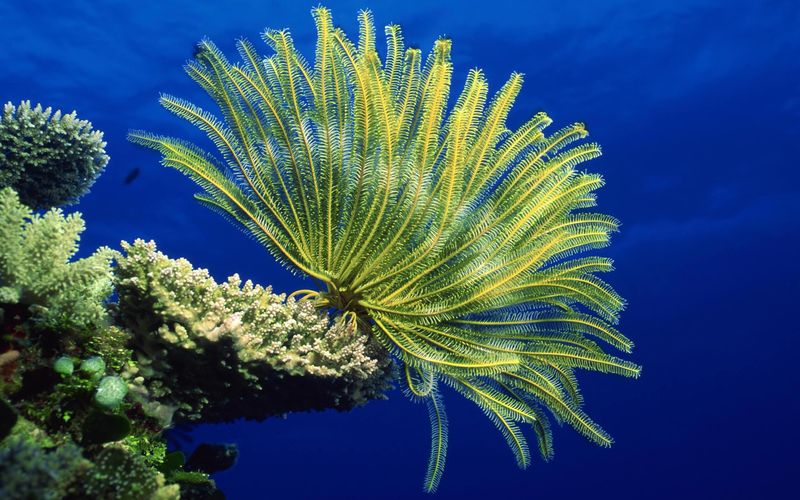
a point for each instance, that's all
(90, 385)
(100, 356)
(447, 245)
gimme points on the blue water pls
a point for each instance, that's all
(697, 106)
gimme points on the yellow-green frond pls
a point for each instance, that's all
(458, 237)
(438, 419)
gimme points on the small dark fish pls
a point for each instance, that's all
(132, 175)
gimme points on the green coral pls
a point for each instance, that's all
(152, 449)
(27, 470)
(93, 366)
(35, 267)
(120, 475)
(219, 352)
(64, 365)
(111, 391)
(49, 158)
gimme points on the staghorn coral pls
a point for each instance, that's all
(450, 235)
(220, 352)
(36, 272)
(50, 159)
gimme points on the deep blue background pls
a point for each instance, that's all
(697, 106)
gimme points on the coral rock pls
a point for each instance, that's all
(236, 350)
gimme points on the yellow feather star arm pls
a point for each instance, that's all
(452, 235)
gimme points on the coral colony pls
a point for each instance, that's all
(50, 159)
(447, 245)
